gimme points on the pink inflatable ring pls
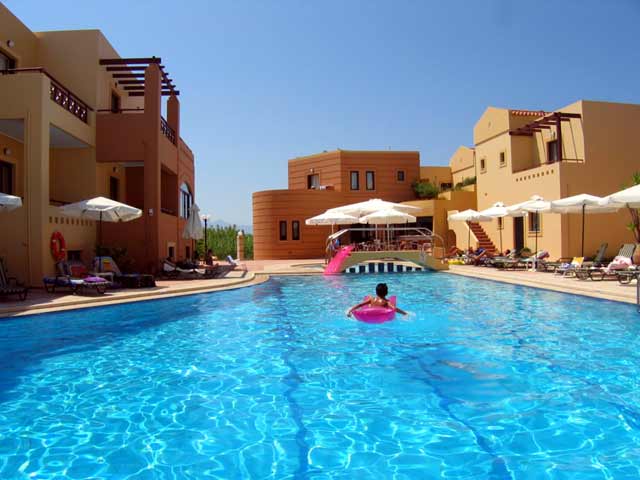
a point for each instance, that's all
(369, 314)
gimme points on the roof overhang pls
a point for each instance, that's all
(129, 73)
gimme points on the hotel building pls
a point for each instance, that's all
(585, 147)
(78, 121)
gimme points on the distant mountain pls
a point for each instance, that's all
(224, 223)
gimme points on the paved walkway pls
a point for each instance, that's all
(609, 290)
(40, 301)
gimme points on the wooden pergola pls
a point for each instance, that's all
(547, 121)
(129, 73)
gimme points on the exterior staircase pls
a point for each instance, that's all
(483, 239)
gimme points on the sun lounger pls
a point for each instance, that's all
(104, 265)
(622, 261)
(538, 260)
(569, 269)
(67, 278)
(10, 285)
(626, 276)
(172, 270)
(236, 263)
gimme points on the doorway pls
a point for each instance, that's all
(518, 233)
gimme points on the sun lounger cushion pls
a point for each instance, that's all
(619, 263)
(95, 280)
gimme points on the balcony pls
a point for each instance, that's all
(58, 93)
(167, 131)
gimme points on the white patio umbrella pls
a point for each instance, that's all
(468, 215)
(497, 210)
(583, 203)
(332, 218)
(629, 197)
(370, 206)
(101, 209)
(9, 202)
(386, 217)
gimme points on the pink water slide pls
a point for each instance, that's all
(335, 265)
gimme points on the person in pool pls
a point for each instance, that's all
(380, 300)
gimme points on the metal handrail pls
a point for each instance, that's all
(422, 231)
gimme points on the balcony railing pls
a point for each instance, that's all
(58, 93)
(167, 131)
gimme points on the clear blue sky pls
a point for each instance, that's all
(264, 81)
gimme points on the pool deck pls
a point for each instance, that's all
(608, 290)
(39, 301)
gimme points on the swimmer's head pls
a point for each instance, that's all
(382, 290)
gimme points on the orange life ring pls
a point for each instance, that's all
(58, 247)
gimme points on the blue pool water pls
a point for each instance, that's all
(485, 380)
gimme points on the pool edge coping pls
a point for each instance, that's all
(255, 278)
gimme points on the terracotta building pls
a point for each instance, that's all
(322, 181)
(585, 147)
(76, 122)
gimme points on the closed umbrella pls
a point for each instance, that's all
(469, 215)
(9, 202)
(193, 228)
(497, 210)
(101, 209)
(583, 203)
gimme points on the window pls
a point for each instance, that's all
(371, 180)
(187, 252)
(355, 180)
(552, 151)
(115, 102)
(186, 200)
(295, 230)
(6, 62)
(283, 230)
(114, 188)
(534, 222)
(172, 252)
(6, 178)
(446, 186)
(400, 175)
(313, 181)
(503, 159)
(500, 223)
(483, 167)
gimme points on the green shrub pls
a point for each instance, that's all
(222, 242)
(468, 181)
(425, 190)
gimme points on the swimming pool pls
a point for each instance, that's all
(486, 380)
